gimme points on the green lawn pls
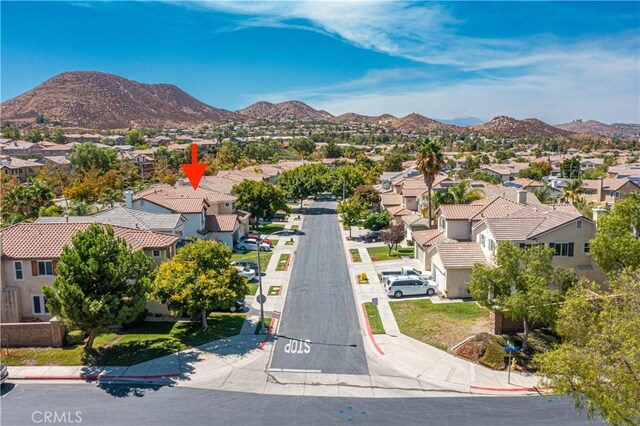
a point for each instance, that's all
(288, 243)
(355, 254)
(382, 253)
(442, 325)
(274, 290)
(375, 322)
(149, 341)
(269, 228)
(282, 262)
(265, 257)
(253, 288)
(294, 227)
(267, 323)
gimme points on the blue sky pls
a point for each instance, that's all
(552, 60)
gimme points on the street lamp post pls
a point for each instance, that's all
(261, 297)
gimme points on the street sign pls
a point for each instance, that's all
(374, 301)
(511, 348)
(261, 298)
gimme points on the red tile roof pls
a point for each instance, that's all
(46, 240)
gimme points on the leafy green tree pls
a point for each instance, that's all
(259, 151)
(228, 156)
(536, 170)
(543, 194)
(25, 201)
(570, 168)
(199, 279)
(351, 211)
(52, 210)
(303, 181)
(430, 162)
(33, 135)
(377, 221)
(616, 245)
(260, 198)
(486, 177)
(332, 150)
(303, 146)
(392, 161)
(88, 156)
(367, 194)
(523, 285)
(58, 135)
(346, 178)
(101, 282)
(598, 361)
(10, 131)
(135, 137)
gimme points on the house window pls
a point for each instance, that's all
(38, 305)
(482, 240)
(226, 204)
(579, 224)
(45, 267)
(492, 245)
(586, 249)
(562, 249)
(156, 253)
(18, 271)
(443, 223)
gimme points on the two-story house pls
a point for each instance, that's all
(608, 191)
(209, 214)
(30, 252)
(23, 169)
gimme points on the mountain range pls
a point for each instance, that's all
(97, 100)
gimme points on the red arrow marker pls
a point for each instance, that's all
(194, 171)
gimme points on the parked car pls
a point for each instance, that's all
(254, 235)
(371, 237)
(407, 272)
(285, 232)
(237, 306)
(403, 286)
(251, 244)
(246, 272)
(279, 217)
(246, 263)
(4, 373)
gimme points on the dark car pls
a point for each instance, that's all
(371, 237)
(236, 307)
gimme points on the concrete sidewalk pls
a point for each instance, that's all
(414, 358)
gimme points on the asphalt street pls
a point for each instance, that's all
(319, 329)
(92, 404)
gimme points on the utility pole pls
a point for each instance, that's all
(261, 297)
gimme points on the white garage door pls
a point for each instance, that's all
(420, 256)
(439, 278)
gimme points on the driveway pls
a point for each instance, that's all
(319, 329)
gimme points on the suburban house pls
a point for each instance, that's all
(23, 169)
(57, 162)
(116, 140)
(591, 163)
(122, 216)
(48, 149)
(522, 183)
(19, 147)
(30, 253)
(414, 222)
(469, 233)
(505, 172)
(608, 191)
(209, 214)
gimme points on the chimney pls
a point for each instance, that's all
(522, 196)
(600, 191)
(128, 198)
(597, 212)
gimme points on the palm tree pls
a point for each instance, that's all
(463, 193)
(111, 196)
(573, 190)
(543, 194)
(430, 161)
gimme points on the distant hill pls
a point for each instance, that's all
(289, 110)
(504, 126)
(352, 117)
(101, 101)
(461, 121)
(597, 128)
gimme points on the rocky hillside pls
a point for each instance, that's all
(352, 117)
(504, 126)
(289, 110)
(101, 101)
(597, 128)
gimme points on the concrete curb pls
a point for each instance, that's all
(98, 377)
(530, 389)
(366, 321)
(269, 333)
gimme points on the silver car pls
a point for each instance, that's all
(403, 286)
(4, 373)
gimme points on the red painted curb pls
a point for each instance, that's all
(350, 255)
(366, 317)
(286, 267)
(280, 291)
(510, 389)
(269, 332)
(99, 377)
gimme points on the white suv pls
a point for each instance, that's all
(404, 286)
